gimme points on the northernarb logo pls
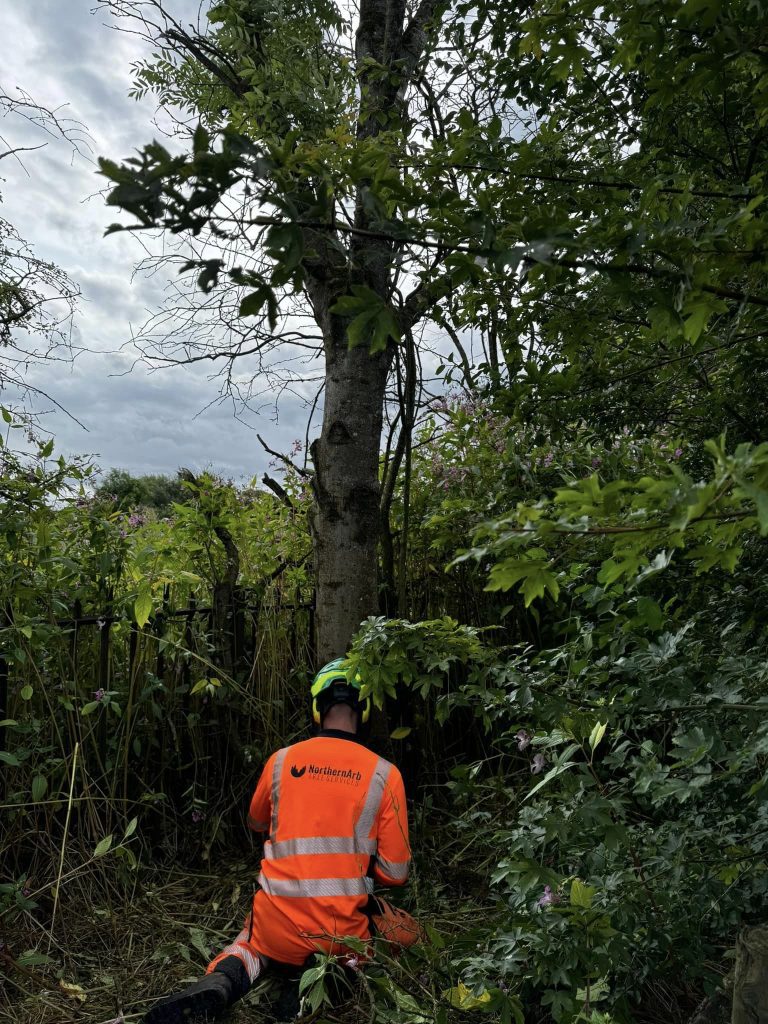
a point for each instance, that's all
(327, 772)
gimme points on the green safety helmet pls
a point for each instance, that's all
(331, 686)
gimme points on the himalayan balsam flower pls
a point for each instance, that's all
(678, 452)
(549, 458)
(596, 462)
(538, 764)
(134, 519)
(548, 899)
(197, 816)
(99, 694)
(523, 739)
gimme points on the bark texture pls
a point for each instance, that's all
(750, 978)
(346, 483)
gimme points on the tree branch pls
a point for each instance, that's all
(283, 458)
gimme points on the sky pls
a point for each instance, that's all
(61, 52)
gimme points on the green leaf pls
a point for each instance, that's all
(142, 607)
(649, 612)
(581, 894)
(596, 992)
(400, 733)
(39, 787)
(310, 977)
(29, 958)
(597, 734)
(201, 140)
(10, 759)
(373, 320)
(696, 322)
(551, 774)
(103, 847)
(26, 692)
(537, 583)
(360, 329)
(131, 828)
(252, 304)
(200, 942)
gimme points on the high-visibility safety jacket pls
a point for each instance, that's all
(336, 817)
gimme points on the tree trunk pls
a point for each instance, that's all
(346, 485)
(346, 523)
(716, 1009)
(750, 978)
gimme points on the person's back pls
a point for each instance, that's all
(336, 818)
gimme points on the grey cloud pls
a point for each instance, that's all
(145, 422)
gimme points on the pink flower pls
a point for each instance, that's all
(548, 899)
(99, 694)
(538, 764)
(677, 453)
(523, 739)
(197, 816)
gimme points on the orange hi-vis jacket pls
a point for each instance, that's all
(337, 821)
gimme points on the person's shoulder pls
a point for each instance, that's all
(393, 771)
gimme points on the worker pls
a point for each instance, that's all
(335, 815)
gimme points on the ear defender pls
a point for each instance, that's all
(315, 711)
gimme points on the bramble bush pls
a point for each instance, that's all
(622, 795)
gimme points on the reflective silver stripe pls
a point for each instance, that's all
(364, 823)
(319, 845)
(397, 869)
(239, 948)
(277, 772)
(316, 886)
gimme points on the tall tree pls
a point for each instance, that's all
(307, 122)
(523, 170)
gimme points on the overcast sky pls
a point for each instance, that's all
(60, 52)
